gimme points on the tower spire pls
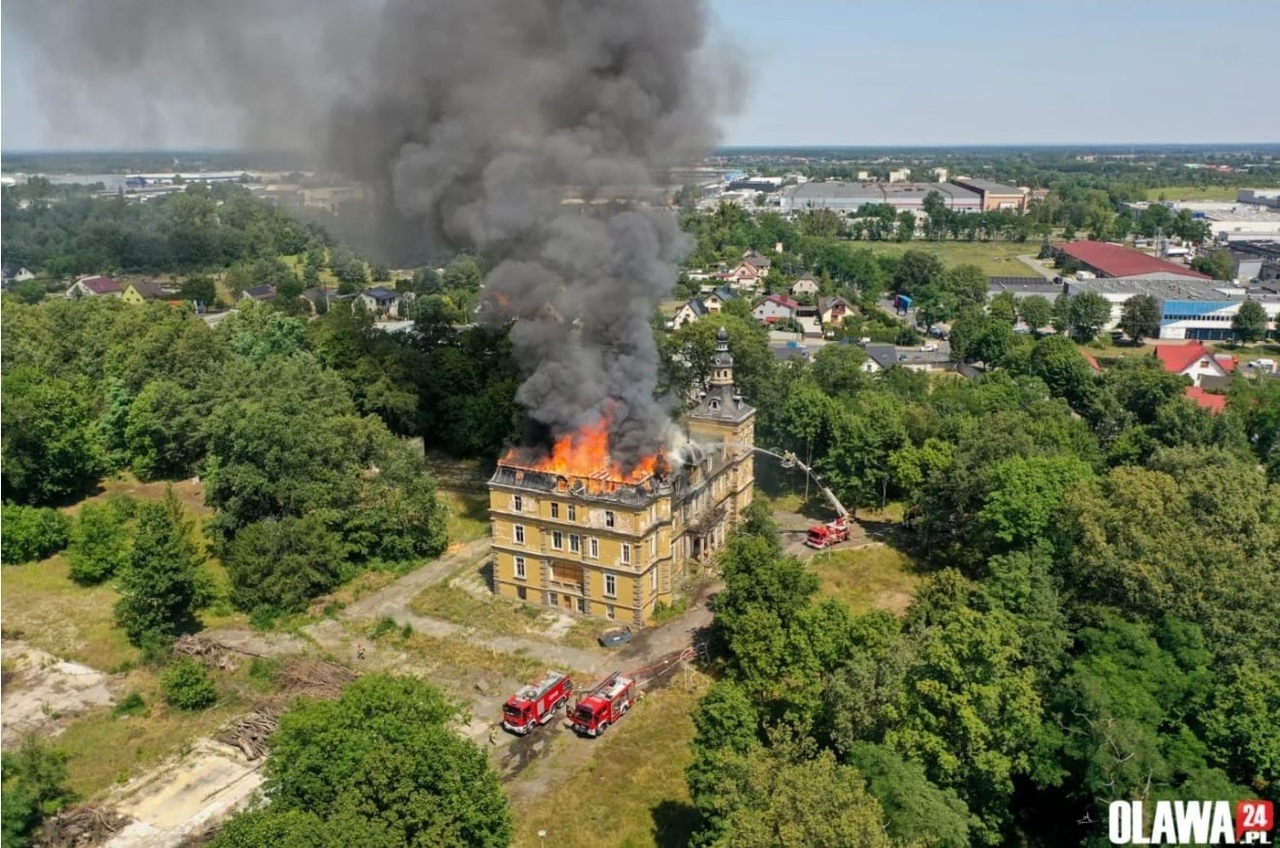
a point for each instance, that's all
(722, 362)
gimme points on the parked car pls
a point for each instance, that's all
(928, 348)
(615, 637)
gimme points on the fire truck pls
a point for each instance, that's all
(822, 536)
(603, 705)
(535, 704)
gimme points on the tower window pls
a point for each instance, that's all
(715, 404)
(555, 510)
(573, 512)
(517, 503)
(608, 518)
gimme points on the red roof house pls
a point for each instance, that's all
(1115, 260)
(1193, 360)
(1213, 403)
(95, 287)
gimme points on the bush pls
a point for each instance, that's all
(187, 685)
(32, 533)
(132, 705)
(34, 787)
(100, 542)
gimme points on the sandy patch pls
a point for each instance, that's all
(43, 691)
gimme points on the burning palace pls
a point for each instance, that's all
(576, 530)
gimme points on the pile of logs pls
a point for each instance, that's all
(208, 651)
(249, 733)
(314, 677)
(80, 827)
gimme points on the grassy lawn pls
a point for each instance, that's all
(632, 792)
(996, 258)
(1193, 193)
(867, 578)
(295, 262)
(468, 514)
(43, 607)
(454, 658)
(496, 615)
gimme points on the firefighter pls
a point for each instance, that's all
(493, 734)
(360, 652)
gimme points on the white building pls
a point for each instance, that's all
(1188, 309)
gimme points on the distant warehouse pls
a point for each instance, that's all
(845, 197)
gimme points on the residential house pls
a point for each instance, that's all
(775, 308)
(1213, 403)
(14, 274)
(744, 277)
(380, 301)
(95, 287)
(880, 357)
(144, 290)
(688, 313)
(833, 310)
(1195, 361)
(259, 293)
(716, 300)
(806, 286)
(761, 263)
(318, 300)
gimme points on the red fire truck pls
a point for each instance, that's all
(535, 704)
(823, 536)
(603, 705)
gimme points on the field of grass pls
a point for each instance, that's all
(468, 515)
(868, 578)
(1192, 193)
(494, 614)
(432, 656)
(633, 791)
(327, 279)
(996, 258)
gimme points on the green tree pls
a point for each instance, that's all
(100, 542)
(916, 811)
(32, 533)
(1216, 263)
(283, 563)
(463, 274)
(49, 450)
(1140, 317)
(1004, 308)
(381, 763)
(1249, 324)
(34, 787)
(787, 796)
(29, 291)
(1023, 497)
(916, 271)
(1036, 312)
(1089, 312)
(187, 685)
(838, 369)
(159, 435)
(163, 585)
(200, 289)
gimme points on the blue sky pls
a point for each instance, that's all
(845, 72)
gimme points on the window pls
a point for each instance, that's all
(575, 543)
(573, 512)
(520, 569)
(595, 548)
(517, 503)
(609, 612)
(519, 529)
(626, 553)
(522, 593)
(653, 545)
(555, 510)
(608, 518)
(653, 580)
(582, 605)
(610, 586)
(553, 600)
(557, 539)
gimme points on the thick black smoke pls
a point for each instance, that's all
(532, 131)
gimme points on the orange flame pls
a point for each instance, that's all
(585, 454)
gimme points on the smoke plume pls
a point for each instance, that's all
(474, 121)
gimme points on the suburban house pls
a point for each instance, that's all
(688, 313)
(716, 300)
(317, 300)
(761, 264)
(833, 310)
(263, 292)
(380, 301)
(744, 276)
(144, 290)
(806, 286)
(95, 287)
(1195, 361)
(775, 308)
(17, 274)
(880, 357)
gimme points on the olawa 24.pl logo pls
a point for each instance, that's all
(1192, 823)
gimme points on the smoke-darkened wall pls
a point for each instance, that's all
(474, 120)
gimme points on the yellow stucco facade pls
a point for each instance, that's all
(615, 551)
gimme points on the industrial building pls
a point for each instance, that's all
(1189, 309)
(845, 197)
(995, 196)
(1258, 261)
(575, 532)
(1114, 260)
(1253, 216)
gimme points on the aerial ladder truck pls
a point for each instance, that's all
(822, 536)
